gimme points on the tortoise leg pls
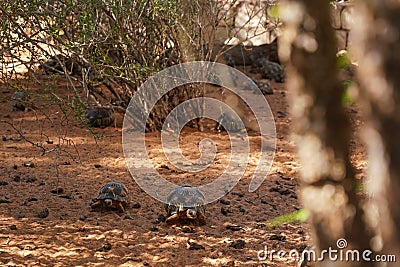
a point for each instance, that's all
(201, 218)
(95, 205)
(121, 207)
(174, 217)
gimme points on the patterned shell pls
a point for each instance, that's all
(185, 197)
(113, 190)
(227, 121)
(99, 117)
(19, 100)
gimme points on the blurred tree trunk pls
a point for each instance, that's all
(321, 127)
(377, 43)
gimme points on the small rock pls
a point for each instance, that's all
(135, 259)
(233, 227)
(225, 202)
(136, 206)
(30, 180)
(21, 215)
(225, 211)
(281, 114)
(2, 200)
(194, 246)
(187, 229)
(280, 190)
(237, 194)
(239, 244)
(4, 138)
(31, 199)
(260, 226)
(242, 210)
(153, 229)
(29, 164)
(15, 138)
(106, 247)
(15, 167)
(42, 214)
(82, 217)
(13, 227)
(161, 218)
(16, 178)
(67, 196)
(128, 217)
(82, 229)
(3, 183)
(264, 201)
(66, 163)
(277, 237)
(97, 166)
(58, 190)
(49, 142)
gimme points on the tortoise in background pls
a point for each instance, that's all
(20, 100)
(99, 117)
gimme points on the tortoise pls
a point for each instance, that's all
(112, 195)
(57, 63)
(20, 100)
(270, 70)
(185, 203)
(228, 122)
(99, 117)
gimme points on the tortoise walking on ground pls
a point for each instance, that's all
(100, 117)
(185, 203)
(112, 195)
(19, 100)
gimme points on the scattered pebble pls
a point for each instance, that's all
(225, 202)
(153, 229)
(239, 244)
(15, 167)
(13, 227)
(187, 229)
(106, 247)
(2, 200)
(238, 194)
(58, 190)
(161, 218)
(97, 166)
(3, 183)
(136, 206)
(280, 190)
(49, 142)
(82, 217)
(67, 196)
(128, 217)
(29, 164)
(242, 210)
(16, 178)
(264, 201)
(225, 211)
(277, 237)
(30, 180)
(233, 227)
(20, 216)
(194, 246)
(42, 214)
(4, 138)
(15, 138)
(31, 199)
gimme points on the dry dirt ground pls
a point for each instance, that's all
(69, 175)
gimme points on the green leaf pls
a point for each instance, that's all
(295, 216)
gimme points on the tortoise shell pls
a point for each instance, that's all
(270, 70)
(100, 117)
(186, 203)
(228, 122)
(20, 100)
(112, 195)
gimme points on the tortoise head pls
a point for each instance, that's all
(108, 202)
(191, 214)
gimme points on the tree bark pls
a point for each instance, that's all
(377, 44)
(321, 128)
